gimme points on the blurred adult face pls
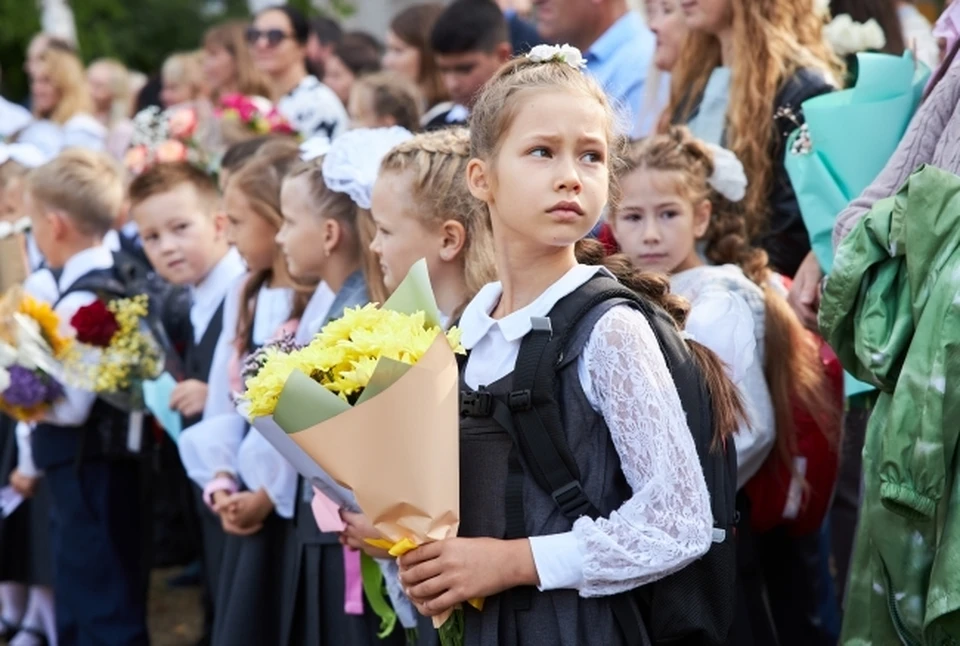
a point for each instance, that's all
(401, 58)
(34, 52)
(338, 78)
(101, 86)
(43, 93)
(710, 16)
(564, 21)
(275, 56)
(465, 74)
(219, 69)
(666, 22)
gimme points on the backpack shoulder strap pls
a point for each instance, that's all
(532, 406)
(102, 282)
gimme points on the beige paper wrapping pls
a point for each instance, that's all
(399, 452)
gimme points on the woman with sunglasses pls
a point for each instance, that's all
(278, 39)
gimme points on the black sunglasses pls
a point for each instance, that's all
(274, 36)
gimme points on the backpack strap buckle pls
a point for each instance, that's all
(476, 404)
(520, 400)
(571, 500)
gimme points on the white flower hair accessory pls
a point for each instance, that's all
(729, 178)
(558, 53)
(353, 161)
(316, 146)
(26, 155)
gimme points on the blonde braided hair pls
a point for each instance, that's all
(436, 163)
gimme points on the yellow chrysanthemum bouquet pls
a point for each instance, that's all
(368, 413)
(31, 346)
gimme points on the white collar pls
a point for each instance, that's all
(476, 321)
(315, 313)
(458, 113)
(215, 284)
(111, 240)
(92, 259)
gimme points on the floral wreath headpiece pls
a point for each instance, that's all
(558, 54)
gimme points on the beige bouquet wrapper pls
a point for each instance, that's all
(397, 451)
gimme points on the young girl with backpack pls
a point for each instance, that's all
(543, 148)
(680, 210)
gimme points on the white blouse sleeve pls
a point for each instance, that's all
(722, 321)
(667, 523)
(210, 447)
(219, 401)
(261, 466)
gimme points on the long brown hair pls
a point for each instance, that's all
(436, 163)
(231, 37)
(491, 118)
(766, 53)
(260, 180)
(792, 367)
(413, 26)
(68, 76)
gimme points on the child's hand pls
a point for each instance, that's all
(22, 484)
(189, 397)
(359, 528)
(246, 509)
(437, 576)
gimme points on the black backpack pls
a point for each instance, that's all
(694, 606)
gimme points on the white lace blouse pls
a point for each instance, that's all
(667, 522)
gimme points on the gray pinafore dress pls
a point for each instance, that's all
(527, 617)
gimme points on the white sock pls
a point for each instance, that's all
(39, 616)
(13, 602)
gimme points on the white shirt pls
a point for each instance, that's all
(74, 408)
(315, 313)
(728, 316)
(13, 118)
(667, 523)
(210, 293)
(313, 108)
(217, 444)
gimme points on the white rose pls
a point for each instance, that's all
(564, 53)
(871, 36)
(4, 379)
(262, 104)
(840, 33)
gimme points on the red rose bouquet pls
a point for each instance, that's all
(117, 351)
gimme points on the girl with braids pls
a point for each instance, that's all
(322, 201)
(244, 480)
(422, 209)
(680, 193)
(543, 147)
(745, 70)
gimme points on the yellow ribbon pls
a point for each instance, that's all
(397, 549)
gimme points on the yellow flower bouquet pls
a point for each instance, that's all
(31, 346)
(368, 413)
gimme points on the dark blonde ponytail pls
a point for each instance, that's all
(728, 410)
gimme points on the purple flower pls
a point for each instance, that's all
(26, 389)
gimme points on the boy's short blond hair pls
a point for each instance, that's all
(87, 186)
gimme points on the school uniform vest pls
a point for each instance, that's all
(525, 615)
(103, 435)
(198, 357)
